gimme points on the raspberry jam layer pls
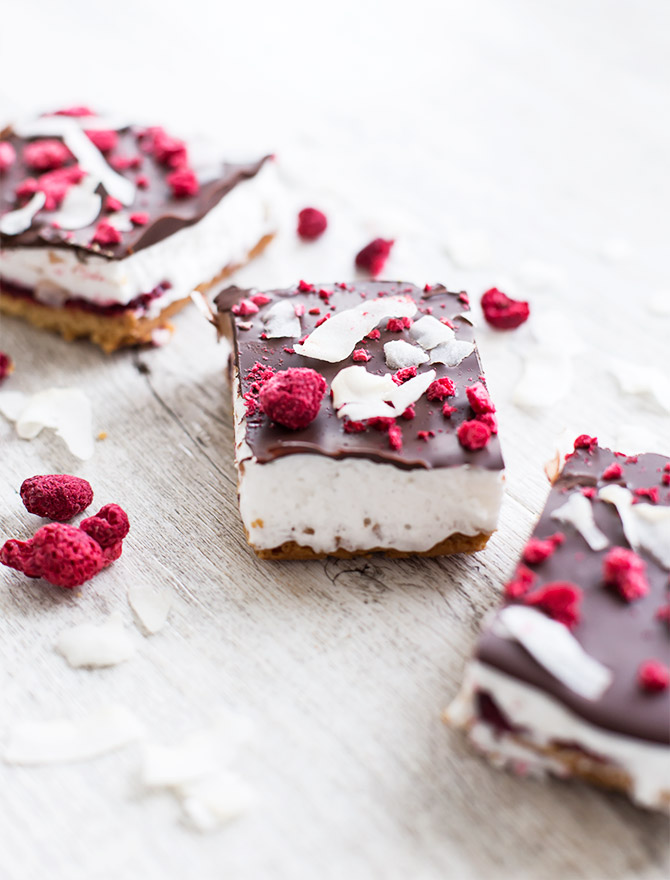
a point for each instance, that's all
(139, 304)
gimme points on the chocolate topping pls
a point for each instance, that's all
(620, 635)
(326, 435)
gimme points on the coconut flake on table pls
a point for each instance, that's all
(210, 803)
(96, 646)
(336, 338)
(150, 606)
(469, 249)
(66, 410)
(554, 647)
(400, 354)
(81, 205)
(62, 741)
(646, 382)
(16, 222)
(358, 394)
(645, 526)
(281, 321)
(451, 354)
(428, 332)
(578, 512)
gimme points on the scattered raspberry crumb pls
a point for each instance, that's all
(106, 234)
(440, 388)
(311, 223)
(624, 570)
(584, 441)
(502, 312)
(653, 676)
(244, 307)
(613, 471)
(103, 140)
(447, 322)
(167, 150)
(665, 479)
(521, 582)
(112, 205)
(54, 185)
(427, 288)
(404, 374)
(260, 299)
(108, 527)
(395, 437)
(560, 600)
(409, 413)
(257, 376)
(538, 550)
(293, 397)
(490, 420)
(142, 181)
(588, 491)
(663, 613)
(381, 423)
(56, 496)
(424, 435)
(397, 325)
(299, 310)
(123, 163)
(61, 554)
(315, 311)
(473, 434)
(372, 258)
(448, 410)
(7, 155)
(360, 355)
(322, 320)
(306, 287)
(139, 218)
(6, 366)
(373, 334)
(479, 398)
(651, 493)
(351, 427)
(464, 298)
(45, 155)
(183, 183)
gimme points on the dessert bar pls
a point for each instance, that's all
(362, 421)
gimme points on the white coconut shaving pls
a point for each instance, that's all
(554, 647)
(400, 354)
(120, 220)
(81, 205)
(96, 646)
(451, 354)
(428, 332)
(66, 410)
(16, 222)
(646, 382)
(645, 526)
(150, 606)
(210, 803)
(358, 394)
(63, 741)
(336, 338)
(280, 321)
(578, 512)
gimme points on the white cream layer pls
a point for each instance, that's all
(194, 255)
(357, 504)
(545, 721)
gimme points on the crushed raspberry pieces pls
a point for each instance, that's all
(397, 325)
(584, 441)
(7, 155)
(381, 423)
(613, 471)
(315, 311)
(663, 614)
(123, 163)
(588, 491)
(473, 435)
(324, 294)
(112, 204)
(372, 258)
(167, 150)
(440, 388)
(56, 496)
(395, 437)
(257, 376)
(322, 320)
(351, 427)
(464, 298)
(142, 181)
(106, 234)
(45, 155)
(502, 312)
(63, 555)
(183, 183)
(103, 140)
(6, 366)
(404, 374)
(409, 413)
(360, 355)
(653, 676)
(624, 570)
(54, 185)
(490, 420)
(292, 397)
(650, 492)
(448, 410)
(560, 601)
(521, 583)
(140, 218)
(538, 550)
(244, 307)
(424, 435)
(311, 223)
(373, 334)
(306, 287)
(260, 299)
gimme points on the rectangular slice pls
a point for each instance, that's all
(382, 466)
(106, 228)
(571, 675)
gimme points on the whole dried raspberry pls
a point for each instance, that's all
(7, 155)
(109, 525)
(61, 554)
(521, 582)
(56, 496)
(624, 570)
(440, 388)
(479, 399)
(613, 471)
(6, 366)
(103, 140)
(311, 223)
(44, 155)
(537, 550)
(474, 434)
(559, 600)
(584, 441)
(502, 312)
(653, 676)
(292, 397)
(372, 258)
(19, 556)
(397, 325)
(183, 183)
(106, 234)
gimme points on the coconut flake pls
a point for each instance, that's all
(67, 410)
(336, 338)
(400, 354)
(281, 321)
(554, 647)
(151, 607)
(81, 205)
(645, 526)
(358, 394)
(16, 222)
(451, 354)
(58, 742)
(644, 381)
(120, 220)
(578, 512)
(409, 392)
(429, 332)
(96, 646)
(213, 802)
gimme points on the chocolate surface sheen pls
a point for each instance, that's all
(326, 435)
(620, 635)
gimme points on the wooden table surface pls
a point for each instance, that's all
(511, 144)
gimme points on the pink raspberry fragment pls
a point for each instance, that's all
(490, 420)
(102, 139)
(123, 163)
(440, 388)
(374, 334)
(395, 437)
(448, 410)
(502, 312)
(404, 374)
(63, 555)
(142, 181)
(397, 325)
(45, 155)
(183, 183)
(106, 234)
(112, 205)
(6, 366)
(361, 356)
(260, 299)
(351, 427)
(56, 496)
(479, 399)
(560, 600)
(650, 492)
(7, 155)
(473, 435)
(537, 550)
(167, 150)
(244, 308)
(372, 258)
(139, 218)
(624, 570)
(311, 223)
(108, 527)
(613, 471)
(292, 397)
(306, 287)
(521, 583)
(584, 441)
(54, 185)
(653, 676)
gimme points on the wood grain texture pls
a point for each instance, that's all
(524, 129)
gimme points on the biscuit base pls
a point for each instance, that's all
(456, 543)
(110, 332)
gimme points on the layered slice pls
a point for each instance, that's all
(362, 421)
(572, 674)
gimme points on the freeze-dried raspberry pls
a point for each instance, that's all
(168, 150)
(292, 397)
(361, 356)
(624, 570)
(448, 410)
(7, 155)
(45, 155)
(54, 185)
(408, 413)
(372, 258)
(139, 218)
(311, 223)
(260, 299)
(537, 549)
(653, 676)
(381, 423)
(111, 554)
(588, 491)
(479, 399)
(403, 375)
(109, 525)
(103, 140)
(244, 307)
(183, 183)
(440, 388)
(650, 492)
(258, 375)
(306, 287)
(56, 496)
(502, 312)
(373, 334)
(19, 556)
(322, 320)
(395, 437)
(352, 427)
(584, 441)
(123, 163)
(663, 613)
(560, 600)
(397, 325)
(112, 205)
(490, 420)
(61, 554)
(142, 181)
(521, 582)
(6, 366)
(424, 435)
(106, 234)
(474, 434)
(613, 471)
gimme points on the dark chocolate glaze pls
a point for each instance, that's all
(620, 635)
(167, 214)
(325, 435)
